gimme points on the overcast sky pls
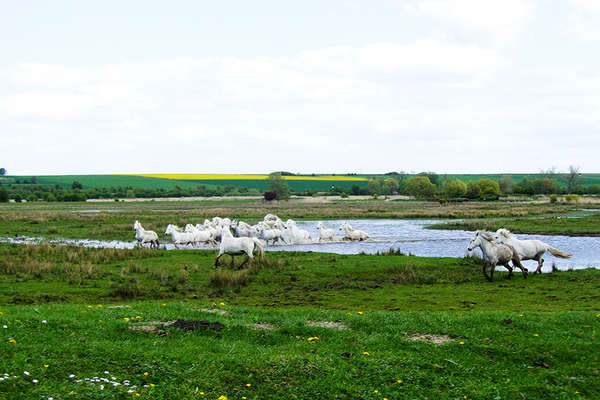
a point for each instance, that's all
(451, 86)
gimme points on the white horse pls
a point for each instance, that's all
(179, 237)
(242, 229)
(295, 235)
(353, 234)
(200, 234)
(275, 235)
(144, 236)
(237, 246)
(324, 233)
(495, 254)
(528, 249)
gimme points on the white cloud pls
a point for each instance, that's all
(501, 20)
(424, 105)
(583, 21)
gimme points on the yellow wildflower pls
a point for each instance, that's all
(126, 319)
(536, 334)
(521, 315)
(248, 384)
(375, 391)
(461, 343)
(137, 394)
(312, 339)
(366, 353)
(138, 317)
(152, 385)
(201, 393)
(46, 365)
(360, 313)
(12, 341)
(99, 306)
(90, 307)
(597, 315)
(163, 304)
(145, 374)
(399, 381)
(221, 304)
(3, 313)
(222, 398)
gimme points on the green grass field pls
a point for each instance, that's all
(80, 323)
(323, 183)
(302, 326)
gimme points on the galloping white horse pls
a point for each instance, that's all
(144, 236)
(324, 233)
(528, 249)
(353, 234)
(237, 246)
(200, 234)
(495, 254)
(295, 235)
(179, 237)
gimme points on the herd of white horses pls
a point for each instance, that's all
(237, 238)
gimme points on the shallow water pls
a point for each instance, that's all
(409, 236)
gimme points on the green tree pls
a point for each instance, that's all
(572, 178)
(76, 185)
(2, 171)
(420, 187)
(454, 188)
(375, 187)
(473, 190)
(392, 185)
(278, 185)
(3, 195)
(506, 184)
(488, 186)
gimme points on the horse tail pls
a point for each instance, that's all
(259, 247)
(558, 253)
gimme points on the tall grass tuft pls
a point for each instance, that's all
(227, 279)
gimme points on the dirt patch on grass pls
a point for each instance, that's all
(261, 326)
(188, 326)
(217, 311)
(429, 338)
(328, 324)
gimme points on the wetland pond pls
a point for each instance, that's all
(410, 236)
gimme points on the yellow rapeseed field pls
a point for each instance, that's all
(249, 177)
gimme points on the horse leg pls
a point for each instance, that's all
(245, 261)
(517, 262)
(217, 259)
(492, 272)
(485, 273)
(509, 268)
(232, 261)
(540, 264)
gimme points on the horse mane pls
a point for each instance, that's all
(504, 232)
(486, 235)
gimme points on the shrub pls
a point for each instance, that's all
(420, 187)
(473, 190)
(572, 198)
(488, 187)
(3, 195)
(454, 189)
(553, 198)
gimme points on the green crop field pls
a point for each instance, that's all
(322, 183)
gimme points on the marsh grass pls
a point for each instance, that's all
(36, 219)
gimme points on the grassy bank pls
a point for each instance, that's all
(588, 225)
(50, 273)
